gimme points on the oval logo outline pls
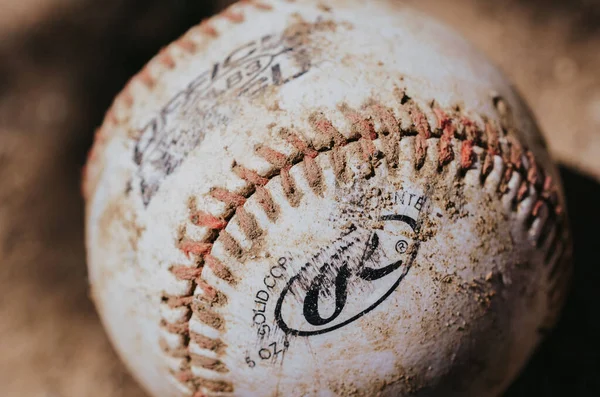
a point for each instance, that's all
(412, 223)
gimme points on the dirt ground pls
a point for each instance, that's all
(62, 61)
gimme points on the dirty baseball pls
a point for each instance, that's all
(328, 198)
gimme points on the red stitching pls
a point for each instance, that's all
(558, 210)
(110, 117)
(493, 142)
(207, 343)
(178, 301)
(178, 352)
(250, 176)
(287, 182)
(263, 6)
(146, 77)
(534, 174)
(186, 273)
(302, 146)
(516, 152)
(548, 184)
(209, 292)
(537, 208)
(127, 97)
(420, 150)
(272, 156)
(233, 16)
(230, 244)
(549, 191)
(505, 179)
(488, 164)
(338, 161)
(523, 191)
(266, 202)
(386, 118)
(177, 328)
(420, 123)
(186, 44)
(467, 155)
(203, 310)
(218, 267)
(166, 58)
(362, 126)
(471, 131)
(208, 29)
(446, 154)
(368, 149)
(258, 4)
(312, 172)
(213, 364)
(325, 127)
(195, 247)
(248, 223)
(228, 197)
(442, 118)
(186, 376)
(200, 218)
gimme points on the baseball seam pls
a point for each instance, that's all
(456, 136)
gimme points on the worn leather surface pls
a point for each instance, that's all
(57, 77)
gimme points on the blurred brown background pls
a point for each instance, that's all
(61, 63)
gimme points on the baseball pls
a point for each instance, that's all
(328, 198)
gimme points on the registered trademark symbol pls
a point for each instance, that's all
(401, 246)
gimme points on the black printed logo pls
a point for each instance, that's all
(210, 101)
(347, 280)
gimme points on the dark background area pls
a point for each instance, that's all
(62, 62)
